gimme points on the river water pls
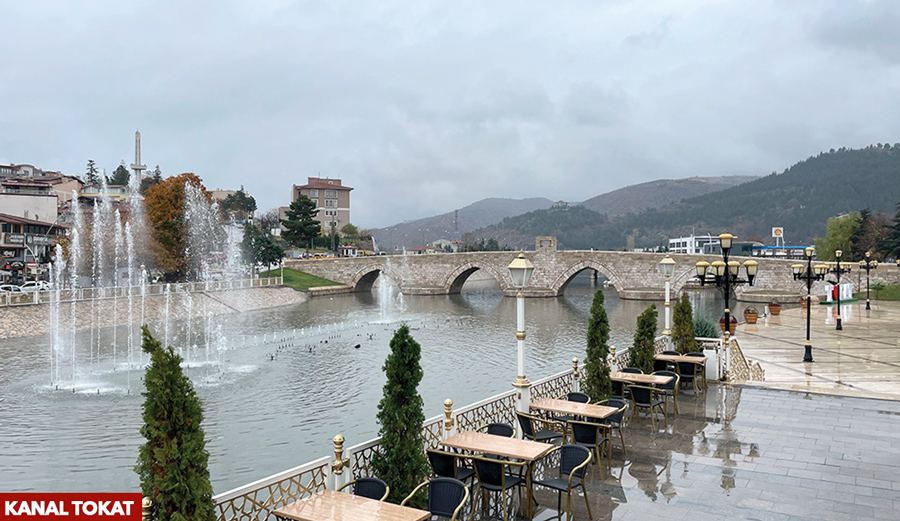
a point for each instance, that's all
(290, 379)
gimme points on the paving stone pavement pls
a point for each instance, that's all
(815, 441)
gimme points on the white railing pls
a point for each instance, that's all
(8, 298)
(257, 500)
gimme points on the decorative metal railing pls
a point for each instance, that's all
(256, 501)
(8, 298)
(498, 408)
(553, 386)
(360, 457)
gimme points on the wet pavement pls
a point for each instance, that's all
(815, 441)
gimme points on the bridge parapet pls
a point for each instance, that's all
(634, 275)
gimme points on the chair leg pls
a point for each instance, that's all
(675, 401)
(475, 499)
(586, 502)
(622, 437)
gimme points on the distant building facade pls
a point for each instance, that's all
(332, 200)
(693, 244)
(28, 199)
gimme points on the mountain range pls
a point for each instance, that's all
(487, 212)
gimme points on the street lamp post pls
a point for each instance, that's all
(809, 276)
(837, 270)
(520, 270)
(667, 268)
(726, 274)
(868, 264)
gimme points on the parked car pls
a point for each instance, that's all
(35, 285)
(10, 288)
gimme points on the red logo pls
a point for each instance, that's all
(70, 507)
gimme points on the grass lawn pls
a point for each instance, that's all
(889, 293)
(299, 280)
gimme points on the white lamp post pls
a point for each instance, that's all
(667, 268)
(520, 270)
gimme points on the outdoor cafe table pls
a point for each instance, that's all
(589, 410)
(513, 448)
(330, 505)
(698, 360)
(640, 379)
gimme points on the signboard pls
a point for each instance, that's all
(17, 265)
(14, 238)
(778, 232)
(8, 254)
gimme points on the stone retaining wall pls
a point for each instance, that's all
(22, 321)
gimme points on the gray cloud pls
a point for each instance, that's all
(428, 106)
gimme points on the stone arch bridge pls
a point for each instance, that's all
(633, 275)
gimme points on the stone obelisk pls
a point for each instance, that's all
(137, 169)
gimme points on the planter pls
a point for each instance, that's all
(733, 325)
(774, 308)
(750, 315)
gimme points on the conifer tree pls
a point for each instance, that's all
(683, 326)
(400, 460)
(643, 350)
(172, 464)
(596, 365)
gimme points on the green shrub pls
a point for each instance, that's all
(400, 459)
(596, 365)
(643, 349)
(683, 326)
(705, 328)
(172, 464)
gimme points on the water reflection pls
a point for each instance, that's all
(290, 379)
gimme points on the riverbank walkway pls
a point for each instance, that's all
(817, 441)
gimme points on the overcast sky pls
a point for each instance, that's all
(424, 107)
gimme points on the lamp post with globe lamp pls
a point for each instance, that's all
(667, 268)
(520, 271)
(726, 274)
(868, 264)
(810, 275)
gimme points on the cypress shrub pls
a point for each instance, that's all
(705, 328)
(172, 464)
(683, 326)
(596, 362)
(643, 350)
(400, 459)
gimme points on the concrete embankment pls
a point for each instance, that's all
(23, 321)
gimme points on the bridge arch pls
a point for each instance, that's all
(454, 282)
(563, 279)
(365, 277)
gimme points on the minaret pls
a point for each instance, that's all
(137, 169)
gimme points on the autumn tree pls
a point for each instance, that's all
(165, 211)
(301, 224)
(596, 365)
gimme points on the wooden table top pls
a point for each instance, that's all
(682, 358)
(526, 450)
(330, 505)
(637, 378)
(600, 412)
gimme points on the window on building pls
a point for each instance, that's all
(330, 203)
(331, 193)
(313, 193)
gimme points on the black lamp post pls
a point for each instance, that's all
(809, 276)
(869, 264)
(837, 270)
(726, 274)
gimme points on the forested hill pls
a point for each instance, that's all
(800, 199)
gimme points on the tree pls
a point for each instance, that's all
(350, 231)
(238, 205)
(400, 458)
(258, 247)
(172, 464)
(301, 224)
(268, 221)
(596, 366)
(165, 212)
(157, 175)
(889, 246)
(643, 349)
(838, 235)
(91, 176)
(120, 176)
(683, 326)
